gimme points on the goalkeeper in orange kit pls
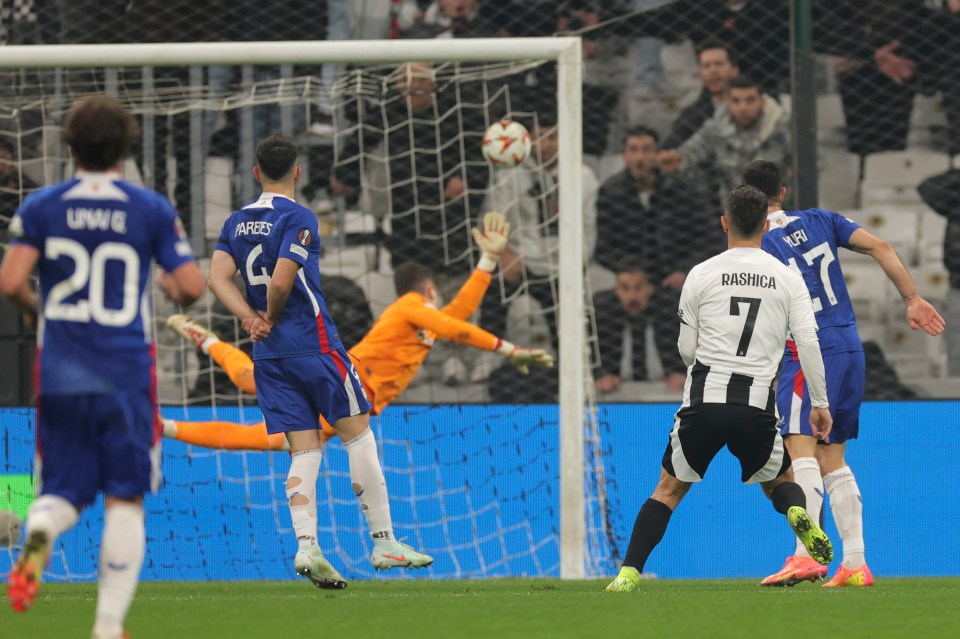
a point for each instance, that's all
(387, 357)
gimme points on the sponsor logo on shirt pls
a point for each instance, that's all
(298, 250)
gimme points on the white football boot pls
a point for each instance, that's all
(390, 553)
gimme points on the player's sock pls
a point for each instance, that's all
(51, 514)
(648, 530)
(369, 485)
(237, 364)
(787, 495)
(806, 474)
(847, 506)
(226, 436)
(302, 488)
(121, 556)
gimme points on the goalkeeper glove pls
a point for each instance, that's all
(493, 240)
(524, 358)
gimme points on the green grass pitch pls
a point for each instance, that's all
(504, 609)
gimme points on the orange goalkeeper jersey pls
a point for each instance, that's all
(391, 353)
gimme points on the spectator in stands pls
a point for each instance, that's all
(888, 50)
(448, 19)
(624, 313)
(942, 194)
(13, 184)
(748, 127)
(644, 214)
(529, 196)
(607, 73)
(759, 31)
(432, 189)
(717, 66)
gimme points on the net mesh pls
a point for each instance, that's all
(380, 148)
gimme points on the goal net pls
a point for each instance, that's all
(480, 461)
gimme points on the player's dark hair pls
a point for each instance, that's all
(411, 276)
(631, 264)
(276, 156)
(764, 175)
(742, 82)
(640, 131)
(746, 210)
(99, 132)
(718, 44)
(7, 145)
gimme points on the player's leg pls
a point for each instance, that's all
(692, 445)
(847, 507)
(224, 435)
(793, 404)
(128, 468)
(648, 530)
(236, 363)
(348, 412)
(288, 409)
(755, 440)
(64, 435)
(846, 502)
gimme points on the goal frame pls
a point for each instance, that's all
(566, 51)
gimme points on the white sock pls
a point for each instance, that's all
(806, 473)
(847, 507)
(51, 514)
(305, 467)
(369, 485)
(121, 557)
(205, 344)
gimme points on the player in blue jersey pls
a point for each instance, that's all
(93, 239)
(302, 370)
(808, 241)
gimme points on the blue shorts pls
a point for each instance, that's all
(92, 442)
(845, 380)
(294, 391)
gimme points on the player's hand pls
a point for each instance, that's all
(453, 189)
(524, 358)
(167, 285)
(821, 422)
(607, 383)
(257, 327)
(922, 315)
(493, 239)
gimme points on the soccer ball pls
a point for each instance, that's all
(506, 144)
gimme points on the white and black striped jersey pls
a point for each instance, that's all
(743, 305)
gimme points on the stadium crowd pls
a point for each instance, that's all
(661, 149)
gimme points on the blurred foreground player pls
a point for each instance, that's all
(735, 312)
(807, 242)
(94, 238)
(389, 355)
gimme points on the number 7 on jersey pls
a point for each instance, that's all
(748, 326)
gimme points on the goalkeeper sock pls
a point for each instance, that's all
(226, 436)
(847, 506)
(236, 363)
(302, 495)
(806, 474)
(369, 485)
(648, 530)
(121, 556)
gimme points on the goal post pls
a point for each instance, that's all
(565, 51)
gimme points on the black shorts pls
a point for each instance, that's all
(751, 434)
